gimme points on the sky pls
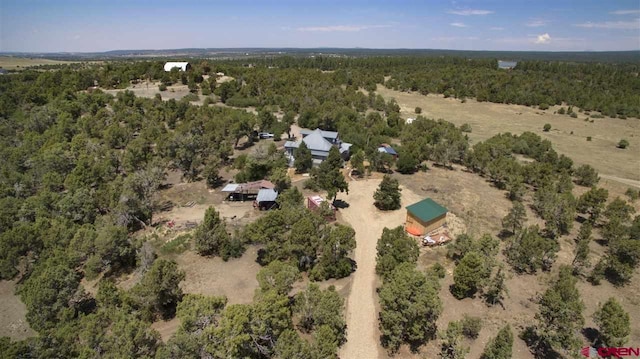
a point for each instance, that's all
(519, 25)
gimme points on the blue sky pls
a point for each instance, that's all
(97, 25)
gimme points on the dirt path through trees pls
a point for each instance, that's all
(363, 335)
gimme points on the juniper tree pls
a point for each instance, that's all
(613, 323)
(387, 196)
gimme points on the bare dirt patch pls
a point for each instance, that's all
(13, 313)
(363, 335)
(235, 279)
(568, 135)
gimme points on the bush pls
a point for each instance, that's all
(547, 127)
(586, 176)
(588, 138)
(162, 87)
(191, 97)
(437, 270)
(387, 197)
(574, 115)
(471, 326)
(465, 127)
(418, 110)
(632, 194)
(623, 144)
(543, 106)
(468, 276)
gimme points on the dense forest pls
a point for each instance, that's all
(81, 169)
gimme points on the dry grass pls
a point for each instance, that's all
(568, 135)
(12, 313)
(19, 63)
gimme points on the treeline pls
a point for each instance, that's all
(610, 89)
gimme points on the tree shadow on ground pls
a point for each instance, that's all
(592, 335)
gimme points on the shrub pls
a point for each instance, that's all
(471, 326)
(623, 144)
(588, 138)
(547, 127)
(543, 106)
(586, 176)
(418, 110)
(574, 115)
(191, 97)
(632, 194)
(465, 127)
(387, 197)
(561, 111)
(162, 87)
(437, 270)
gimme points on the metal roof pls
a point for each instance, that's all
(231, 187)
(315, 142)
(267, 195)
(180, 65)
(387, 149)
(426, 210)
(325, 134)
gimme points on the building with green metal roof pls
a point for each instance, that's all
(424, 217)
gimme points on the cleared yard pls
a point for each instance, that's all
(363, 335)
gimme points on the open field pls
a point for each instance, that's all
(17, 63)
(568, 135)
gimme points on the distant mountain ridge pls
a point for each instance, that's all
(580, 56)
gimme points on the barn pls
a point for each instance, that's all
(424, 217)
(181, 66)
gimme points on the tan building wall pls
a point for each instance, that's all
(425, 227)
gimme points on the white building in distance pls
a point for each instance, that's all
(182, 66)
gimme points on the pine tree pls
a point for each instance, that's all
(560, 315)
(516, 217)
(496, 289)
(211, 236)
(581, 258)
(613, 323)
(387, 197)
(303, 159)
(501, 346)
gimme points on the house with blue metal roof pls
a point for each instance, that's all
(385, 148)
(319, 142)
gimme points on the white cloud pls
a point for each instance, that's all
(625, 12)
(458, 24)
(496, 28)
(543, 39)
(537, 23)
(340, 28)
(468, 12)
(624, 25)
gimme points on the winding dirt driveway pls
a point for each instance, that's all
(363, 335)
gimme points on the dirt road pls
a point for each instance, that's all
(363, 335)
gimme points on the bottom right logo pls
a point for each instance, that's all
(615, 352)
